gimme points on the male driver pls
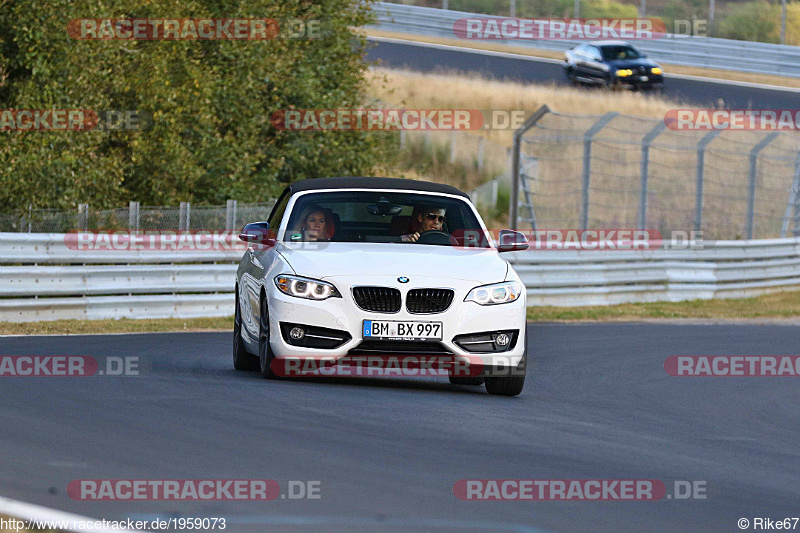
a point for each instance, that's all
(427, 218)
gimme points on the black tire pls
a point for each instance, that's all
(470, 380)
(570, 72)
(265, 355)
(242, 360)
(511, 384)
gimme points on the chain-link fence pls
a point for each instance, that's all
(231, 216)
(618, 171)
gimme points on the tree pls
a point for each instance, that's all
(208, 136)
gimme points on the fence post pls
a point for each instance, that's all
(701, 165)
(30, 217)
(453, 140)
(751, 193)
(184, 217)
(587, 164)
(230, 215)
(402, 138)
(531, 121)
(513, 9)
(133, 216)
(494, 193)
(481, 147)
(648, 139)
(83, 217)
(793, 203)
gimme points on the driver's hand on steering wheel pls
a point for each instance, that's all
(410, 238)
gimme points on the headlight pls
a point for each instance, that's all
(311, 289)
(655, 70)
(624, 72)
(497, 293)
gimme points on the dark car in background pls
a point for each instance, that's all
(614, 64)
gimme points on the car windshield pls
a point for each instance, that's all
(384, 217)
(620, 52)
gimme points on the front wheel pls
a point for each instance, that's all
(265, 355)
(241, 359)
(511, 384)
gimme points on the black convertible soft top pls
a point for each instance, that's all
(372, 183)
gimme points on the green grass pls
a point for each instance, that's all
(782, 305)
(123, 325)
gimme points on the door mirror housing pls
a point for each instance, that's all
(258, 233)
(511, 241)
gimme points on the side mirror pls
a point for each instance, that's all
(511, 241)
(258, 233)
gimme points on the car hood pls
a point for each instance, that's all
(631, 63)
(340, 259)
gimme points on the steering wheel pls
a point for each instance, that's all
(434, 237)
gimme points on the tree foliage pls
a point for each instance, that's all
(210, 137)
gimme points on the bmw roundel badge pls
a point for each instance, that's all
(402, 279)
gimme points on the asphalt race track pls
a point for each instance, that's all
(598, 404)
(696, 91)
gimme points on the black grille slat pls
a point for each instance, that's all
(377, 299)
(420, 301)
(399, 348)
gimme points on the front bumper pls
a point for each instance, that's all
(343, 315)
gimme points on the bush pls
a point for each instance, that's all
(751, 21)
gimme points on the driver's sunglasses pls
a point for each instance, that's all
(433, 216)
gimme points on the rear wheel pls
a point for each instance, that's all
(511, 384)
(241, 359)
(265, 355)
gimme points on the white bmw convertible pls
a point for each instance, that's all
(380, 267)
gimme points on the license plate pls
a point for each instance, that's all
(402, 330)
(643, 78)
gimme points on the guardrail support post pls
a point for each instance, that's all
(793, 203)
(751, 192)
(515, 156)
(133, 216)
(83, 217)
(481, 149)
(701, 165)
(453, 141)
(230, 215)
(646, 141)
(185, 216)
(587, 164)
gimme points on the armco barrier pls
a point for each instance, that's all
(42, 279)
(728, 54)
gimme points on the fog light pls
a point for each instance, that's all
(297, 333)
(502, 340)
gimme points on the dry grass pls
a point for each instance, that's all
(780, 81)
(461, 91)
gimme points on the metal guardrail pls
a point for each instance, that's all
(55, 282)
(728, 54)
